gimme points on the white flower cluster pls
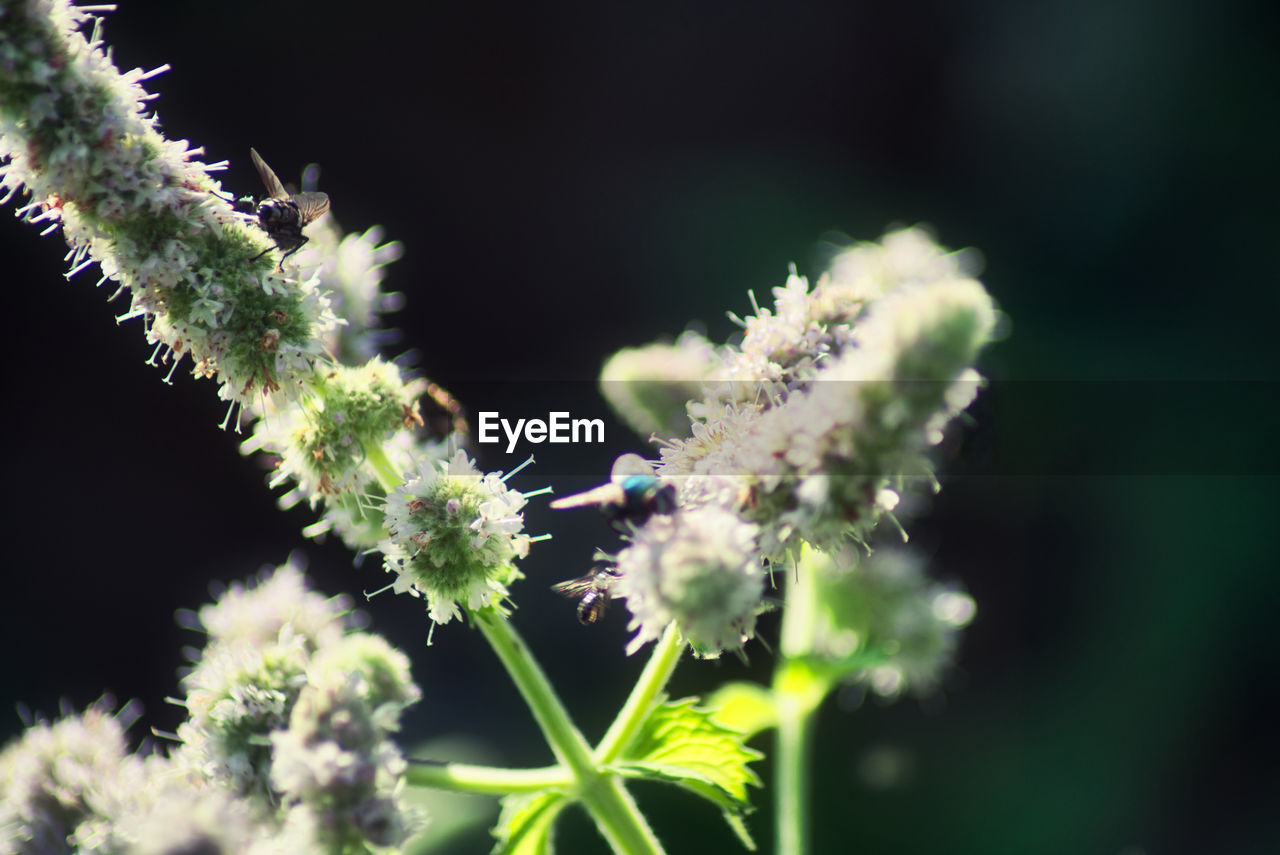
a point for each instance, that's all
(255, 615)
(852, 382)
(169, 814)
(287, 752)
(59, 777)
(76, 137)
(288, 709)
(699, 568)
(454, 536)
(650, 386)
(813, 424)
(351, 268)
(884, 604)
(352, 432)
(336, 759)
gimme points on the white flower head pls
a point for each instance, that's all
(699, 568)
(256, 615)
(59, 776)
(329, 446)
(908, 256)
(335, 757)
(455, 534)
(782, 344)
(885, 601)
(78, 138)
(181, 818)
(650, 386)
(240, 691)
(351, 268)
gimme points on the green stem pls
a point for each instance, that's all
(487, 780)
(662, 664)
(388, 477)
(791, 784)
(801, 611)
(610, 805)
(797, 692)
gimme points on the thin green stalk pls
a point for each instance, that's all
(791, 784)
(615, 813)
(388, 477)
(798, 692)
(487, 780)
(662, 664)
(800, 612)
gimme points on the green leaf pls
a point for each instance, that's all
(684, 745)
(745, 707)
(524, 826)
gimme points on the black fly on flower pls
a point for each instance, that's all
(282, 215)
(634, 493)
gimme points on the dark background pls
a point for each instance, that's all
(570, 180)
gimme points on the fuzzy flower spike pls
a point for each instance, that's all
(807, 431)
(698, 568)
(455, 534)
(76, 137)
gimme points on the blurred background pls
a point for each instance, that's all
(570, 179)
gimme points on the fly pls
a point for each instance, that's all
(634, 493)
(282, 215)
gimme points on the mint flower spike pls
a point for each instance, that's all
(76, 137)
(886, 605)
(350, 433)
(861, 433)
(289, 712)
(255, 614)
(807, 431)
(454, 535)
(260, 645)
(650, 386)
(71, 787)
(854, 381)
(351, 268)
(699, 569)
(336, 761)
(59, 776)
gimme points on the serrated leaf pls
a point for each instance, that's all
(524, 825)
(683, 745)
(745, 707)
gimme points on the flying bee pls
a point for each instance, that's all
(594, 591)
(634, 493)
(282, 215)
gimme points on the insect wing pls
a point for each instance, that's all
(310, 206)
(606, 494)
(274, 188)
(576, 587)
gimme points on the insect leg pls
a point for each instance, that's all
(280, 266)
